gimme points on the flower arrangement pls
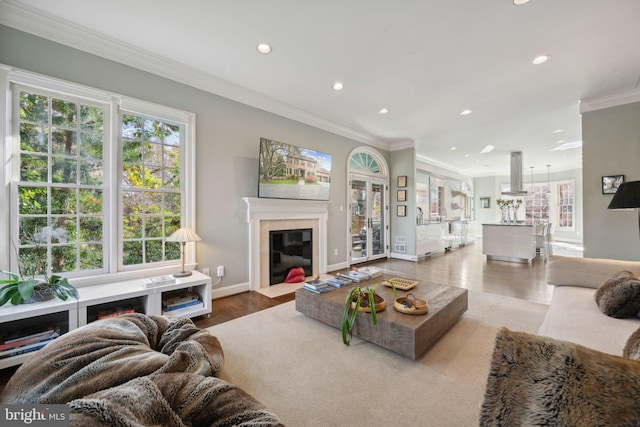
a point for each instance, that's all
(504, 203)
(516, 203)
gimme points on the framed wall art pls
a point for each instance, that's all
(402, 181)
(610, 183)
(485, 202)
(402, 195)
(402, 210)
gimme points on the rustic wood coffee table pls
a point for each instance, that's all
(406, 334)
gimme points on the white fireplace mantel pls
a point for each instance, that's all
(259, 210)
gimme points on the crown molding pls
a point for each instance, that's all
(612, 100)
(23, 18)
(402, 144)
(432, 162)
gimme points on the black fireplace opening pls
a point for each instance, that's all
(289, 249)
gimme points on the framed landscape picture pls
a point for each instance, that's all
(610, 183)
(485, 202)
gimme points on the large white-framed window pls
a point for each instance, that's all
(552, 202)
(566, 205)
(58, 183)
(96, 180)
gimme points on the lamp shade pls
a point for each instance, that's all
(184, 235)
(627, 196)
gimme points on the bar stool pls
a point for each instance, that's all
(546, 248)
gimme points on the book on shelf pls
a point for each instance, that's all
(25, 348)
(181, 301)
(355, 276)
(150, 282)
(338, 282)
(28, 333)
(116, 311)
(318, 291)
(185, 310)
(371, 271)
(316, 284)
(30, 339)
(184, 304)
(179, 297)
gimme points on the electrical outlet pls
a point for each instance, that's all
(220, 270)
(206, 271)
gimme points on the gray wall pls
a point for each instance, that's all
(610, 146)
(228, 135)
(486, 186)
(402, 162)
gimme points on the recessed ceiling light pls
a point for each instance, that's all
(466, 155)
(264, 48)
(465, 112)
(489, 148)
(338, 86)
(453, 148)
(383, 111)
(558, 131)
(562, 141)
(540, 59)
(520, 2)
(567, 146)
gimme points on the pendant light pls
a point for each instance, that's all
(531, 179)
(548, 182)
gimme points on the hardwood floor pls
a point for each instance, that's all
(464, 267)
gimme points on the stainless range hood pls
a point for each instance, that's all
(516, 175)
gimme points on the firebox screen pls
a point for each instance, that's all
(289, 249)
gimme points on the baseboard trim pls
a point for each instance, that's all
(338, 266)
(404, 257)
(226, 291)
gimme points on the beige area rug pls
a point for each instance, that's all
(299, 368)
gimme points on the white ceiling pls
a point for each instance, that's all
(424, 60)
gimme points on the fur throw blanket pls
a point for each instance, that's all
(539, 381)
(151, 370)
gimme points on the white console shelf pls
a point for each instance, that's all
(73, 313)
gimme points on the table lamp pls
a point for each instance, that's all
(183, 235)
(627, 197)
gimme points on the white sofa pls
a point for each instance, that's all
(573, 314)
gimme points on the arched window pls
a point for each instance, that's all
(365, 160)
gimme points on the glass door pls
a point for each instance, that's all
(368, 219)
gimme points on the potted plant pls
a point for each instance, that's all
(363, 299)
(18, 290)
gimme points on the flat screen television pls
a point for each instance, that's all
(291, 172)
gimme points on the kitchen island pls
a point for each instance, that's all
(509, 242)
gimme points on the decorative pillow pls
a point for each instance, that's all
(632, 347)
(538, 381)
(619, 296)
(296, 275)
